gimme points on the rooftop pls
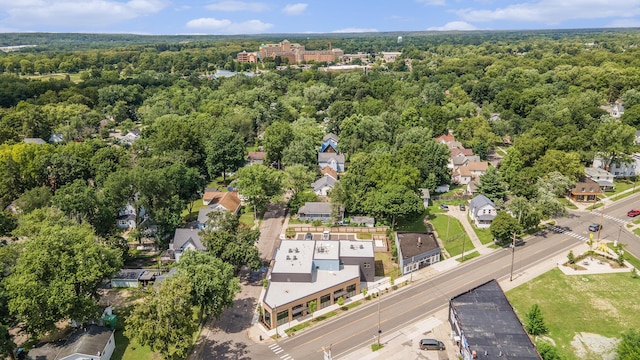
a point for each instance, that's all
(597, 172)
(326, 157)
(315, 208)
(294, 257)
(490, 324)
(183, 237)
(414, 244)
(89, 343)
(356, 248)
(327, 250)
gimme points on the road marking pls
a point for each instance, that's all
(286, 357)
(278, 351)
(272, 346)
(570, 233)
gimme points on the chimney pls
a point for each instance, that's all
(419, 241)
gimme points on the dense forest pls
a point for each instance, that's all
(541, 94)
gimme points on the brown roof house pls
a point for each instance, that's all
(256, 157)
(218, 201)
(586, 190)
(416, 250)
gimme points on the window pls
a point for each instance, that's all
(366, 265)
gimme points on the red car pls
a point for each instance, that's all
(633, 213)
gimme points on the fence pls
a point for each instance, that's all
(340, 229)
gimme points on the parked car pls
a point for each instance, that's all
(308, 236)
(595, 227)
(431, 344)
(462, 207)
(519, 242)
(444, 207)
(633, 213)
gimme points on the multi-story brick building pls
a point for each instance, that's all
(293, 52)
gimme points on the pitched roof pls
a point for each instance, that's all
(315, 208)
(478, 166)
(490, 325)
(327, 170)
(446, 138)
(325, 180)
(229, 200)
(460, 151)
(424, 194)
(34, 141)
(480, 201)
(330, 136)
(326, 144)
(256, 155)
(183, 237)
(88, 343)
(326, 157)
(414, 244)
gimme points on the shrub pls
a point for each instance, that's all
(316, 223)
(534, 323)
(340, 301)
(571, 257)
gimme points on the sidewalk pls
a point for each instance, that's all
(468, 228)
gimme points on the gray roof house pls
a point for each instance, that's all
(425, 196)
(482, 211)
(93, 342)
(416, 250)
(322, 186)
(363, 220)
(331, 136)
(37, 141)
(601, 176)
(318, 211)
(183, 240)
(332, 160)
(486, 327)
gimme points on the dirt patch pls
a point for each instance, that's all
(594, 346)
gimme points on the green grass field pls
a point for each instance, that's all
(621, 185)
(451, 233)
(601, 304)
(414, 225)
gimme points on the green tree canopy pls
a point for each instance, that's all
(503, 227)
(225, 152)
(629, 345)
(259, 184)
(534, 322)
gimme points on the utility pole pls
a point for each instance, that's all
(513, 255)
(463, 238)
(379, 331)
(600, 227)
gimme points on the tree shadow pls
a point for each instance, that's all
(226, 350)
(237, 318)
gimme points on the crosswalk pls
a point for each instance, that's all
(278, 351)
(560, 230)
(610, 217)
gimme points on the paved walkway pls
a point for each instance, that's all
(455, 212)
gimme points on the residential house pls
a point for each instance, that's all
(328, 147)
(482, 211)
(185, 240)
(487, 328)
(602, 177)
(128, 217)
(332, 160)
(132, 278)
(472, 186)
(617, 110)
(425, 196)
(331, 137)
(218, 201)
(622, 169)
(324, 185)
(91, 342)
(56, 138)
(446, 138)
(363, 220)
(327, 170)
(256, 157)
(473, 170)
(36, 141)
(586, 190)
(319, 211)
(416, 250)
(442, 188)
(130, 137)
(320, 271)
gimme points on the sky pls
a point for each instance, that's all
(215, 17)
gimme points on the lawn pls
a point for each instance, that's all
(621, 185)
(451, 233)
(193, 215)
(247, 216)
(385, 266)
(622, 196)
(602, 304)
(484, 235)
(414, 225)
(567, 203)
(125, 348)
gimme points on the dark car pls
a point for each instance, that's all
(462, 207)
(595, 227)
(308, 236)
(444, 207)
(518, 242)
(633, 213)
(431, 344)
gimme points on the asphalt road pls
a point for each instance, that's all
(357, 328)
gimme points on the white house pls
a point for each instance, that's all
(127, 217)
(602, 177)
(92, 342)
(621, 170)
(482, 211)
(324, 185)
(332, 160)
(185, 240)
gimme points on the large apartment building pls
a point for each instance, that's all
(293, 52)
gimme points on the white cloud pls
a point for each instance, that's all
(454, 25)
(226, 26)
(355, 30)
(295, 9)
(623, 23)
(554, 11)
(238, 6)
(432, 2)
(78, 13)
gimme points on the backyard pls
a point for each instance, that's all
(451, 233)
(598, 304)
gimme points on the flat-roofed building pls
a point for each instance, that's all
(416, 250)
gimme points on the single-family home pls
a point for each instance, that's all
(36, 141)
(132, 278)
(256, 157)
(363, 220)
(602, 177)
(472, 170)
(482, 211)
(328, 146)
(485, 326)
(629, 168)
(185, 240)
(319, 211)
(416, 250)
(331, 137)
(130, 137)
(586, 190)
(332, 160)
(425, 196)
(218, 201)
(329, 171)
(472, 186)
(617, 110)
(324, 185)
(128, 217)
(446, 138)
(56, 138)
(91, 342)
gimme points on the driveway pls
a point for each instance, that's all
(468, 228)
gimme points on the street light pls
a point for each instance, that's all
(379, 331)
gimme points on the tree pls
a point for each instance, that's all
(232, 242)
(298, 178)
(503, 227)
(213, 284)
(557, 161)
(629, 345)
(33, 199)
(394, 202)
(276, 139)
(165, 321)
(525, 211)
(312, 306)
(492, 186)
(547, 350)
(612, 141)
(225, 153)
(534, 323)
(7, 346)
(259, 184)
(78, 200)
(58, 274)
(8, 223)
(301, 152)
